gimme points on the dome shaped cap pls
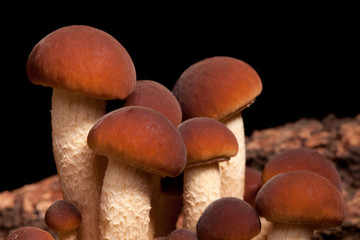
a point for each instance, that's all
(182, 234)
(153, 95)
(228, 218)
(207, 140)
(29, 233)
(301, 197)
(301, 159)
(83, 60)
(142, 137)
(216, 87)
(63, 216)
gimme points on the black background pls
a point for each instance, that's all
(308, 68)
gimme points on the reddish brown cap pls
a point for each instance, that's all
(142, 137)
(207, 140)
(216, 87)
(228, 218)
(63, 216)
(301, 197)
(154, 95)
(301, 159)
(29, 233)
(253, 183)
(84, 60)
(182, 234)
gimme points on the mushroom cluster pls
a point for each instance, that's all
(130, 172)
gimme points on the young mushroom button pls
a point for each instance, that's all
(228, 218)
(64, 218)
(220, 88)
(208, 142)
(85, 66)
(298, 202)
(182, 234)
(29, 233)
(138, 141)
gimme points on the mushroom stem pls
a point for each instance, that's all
(232, 172)
(283, 231)
(125, 202)
(266, 227)
(72, 235)
(80, 170)
(201, 187)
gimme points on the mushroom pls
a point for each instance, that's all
(220, 88)
(154, 95)
(84, 66)
(208, 142)
(301, 159)
(182, 234)
(298, 202)
(139, 142)
(228, 218)
(64, 218)
(29, 233)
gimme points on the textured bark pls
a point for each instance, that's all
(26, 206)
(337, 139)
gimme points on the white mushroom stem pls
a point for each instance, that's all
(72, 235)
(283, 231)
(125, 202)
(232, 172)
(80, 171)
(266, 227)
(201, 187)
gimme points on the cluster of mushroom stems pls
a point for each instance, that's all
(113, 166)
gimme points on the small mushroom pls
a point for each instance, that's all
(299, 202)
(154, 95)
(228, 218)
(139, 142)
(301, 159)
(85, 66)
(182, 234)
(64, 218)
(220, 88)
(29, 233)
(208, 142)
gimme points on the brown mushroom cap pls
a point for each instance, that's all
(153, 95)
(182, 234)
(84, 60)
(207, 140)
(141, 137)
(301, 197)
(216, 87)
(253, 184)
(29, 233)
(63, 216)
(228, 218)
(301, 159)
